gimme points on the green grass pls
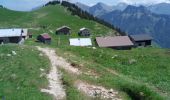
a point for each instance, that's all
(141, 73)
(20, 74)
(52, 17)
(71, 91)
(149, 74)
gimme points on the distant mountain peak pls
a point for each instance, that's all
(99, 9)
(79, 3)
(161, 8)
(101, 5)
(163, 3)
(134, 9)
(82, 6)
(121, 4)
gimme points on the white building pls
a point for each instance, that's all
(80, 42)
(13, 35)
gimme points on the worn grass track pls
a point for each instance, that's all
(20, 74)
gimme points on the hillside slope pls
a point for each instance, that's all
(51, 17)
(20, 70)
(137, 74)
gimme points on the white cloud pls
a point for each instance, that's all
(23, 5)
(28, 4)
(144, 1)
(114, 2)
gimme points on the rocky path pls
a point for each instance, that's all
(55, 84)
(67, 66)
(97, 91)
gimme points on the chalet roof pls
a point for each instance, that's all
(46, 36)
(141, 37)
(13, 32)
(82, 29)
(80, 42)
(63, 27)
(118, 41)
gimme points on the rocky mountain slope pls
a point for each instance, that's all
(162, 8)
(153, 20)
(138, 20)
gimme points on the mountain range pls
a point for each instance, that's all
(153, 19)
(162, 8)
(101, 8)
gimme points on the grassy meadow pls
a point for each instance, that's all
(20, 74)
(138, 74)
(142, 73)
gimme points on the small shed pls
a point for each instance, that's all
(84, 32)
(45, 38)
(80, 42)
(117, 42)
(13, 35)
(30, 35)
(64, 30)
(141, 40)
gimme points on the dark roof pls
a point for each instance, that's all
(141, 37)
(117, 41)
(46, 36)
(63, 27)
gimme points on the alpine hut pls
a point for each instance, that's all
(141, 40)
(13, 35)
(64, 30)
(118, 42)
(45, 38)
(84, 32)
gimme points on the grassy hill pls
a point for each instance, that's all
(141, 73)
(51, 17)
(20, 73)
(143, 70)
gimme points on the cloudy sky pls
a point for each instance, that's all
(23, 5)
(113, 2)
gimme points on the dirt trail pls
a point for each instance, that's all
(97, 91)
(67, 66)
(54, 77)
(55, 84)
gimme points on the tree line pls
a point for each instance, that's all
(1, 6)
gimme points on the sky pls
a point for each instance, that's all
(25, 5)
(114, 2)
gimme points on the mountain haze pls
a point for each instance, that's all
(139, 20)
(153, 20)
(162, 8)
(100, 9)
(119, 6)
(83, 6)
